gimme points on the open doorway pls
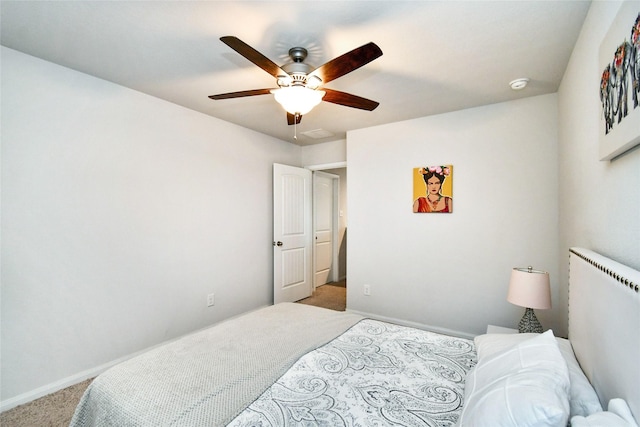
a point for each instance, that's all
(330, 268)
(341, 214)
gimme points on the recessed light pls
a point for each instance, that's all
(519, 84)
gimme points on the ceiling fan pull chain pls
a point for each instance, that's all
(295, 126)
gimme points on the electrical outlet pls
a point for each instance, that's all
(367, 290)
(211, 300)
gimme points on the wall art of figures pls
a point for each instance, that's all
(620, 83)
(433, 189)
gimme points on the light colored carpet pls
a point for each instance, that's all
(53, 410)
(56, 409)
(332, 295)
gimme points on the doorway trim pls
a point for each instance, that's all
(325, 166)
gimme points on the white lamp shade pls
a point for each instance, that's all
(298, 99)
(529, 288)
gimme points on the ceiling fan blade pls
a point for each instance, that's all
(253, 55)
(293, 119)
(348, 62)
(241, 94)
(349, 100)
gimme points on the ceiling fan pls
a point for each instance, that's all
(299, 84)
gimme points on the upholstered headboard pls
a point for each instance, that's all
(604, 325)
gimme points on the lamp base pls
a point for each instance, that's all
(529, 323)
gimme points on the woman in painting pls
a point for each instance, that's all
(435, 201)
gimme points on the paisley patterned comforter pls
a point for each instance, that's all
(375, 374)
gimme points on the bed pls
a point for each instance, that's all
(293, 364)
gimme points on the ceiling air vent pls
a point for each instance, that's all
(317, 133)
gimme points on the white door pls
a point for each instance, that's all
(323, 194)
(292, 233)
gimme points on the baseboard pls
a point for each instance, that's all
(416, 325)
(39, 392)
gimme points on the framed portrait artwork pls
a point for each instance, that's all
(433, 189)
(619, 57)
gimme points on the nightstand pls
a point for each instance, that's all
(491, 329)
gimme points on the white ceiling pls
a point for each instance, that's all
(438, 56)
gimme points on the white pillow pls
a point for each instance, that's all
(618, 415)
(524, 385)
(583, 399)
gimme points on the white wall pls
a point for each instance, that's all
(450, 271)
(325, 153)
(120, 213)
(599, 201)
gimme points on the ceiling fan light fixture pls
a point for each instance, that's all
(284, 81)
(313, 82)
(298, 99)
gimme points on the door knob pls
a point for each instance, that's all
(278, 243)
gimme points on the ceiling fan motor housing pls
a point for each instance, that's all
(298, 72)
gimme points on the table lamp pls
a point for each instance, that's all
(529, 288)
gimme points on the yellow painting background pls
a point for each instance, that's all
(420, 188)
